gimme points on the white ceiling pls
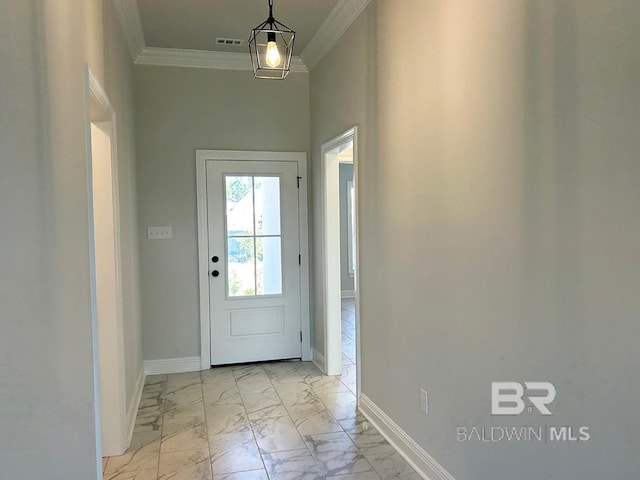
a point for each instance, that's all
(195, 24)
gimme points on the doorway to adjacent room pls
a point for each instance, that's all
(340, 255)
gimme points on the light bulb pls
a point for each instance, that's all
(273, 55)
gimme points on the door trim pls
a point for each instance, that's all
(202, 156)
(330, 236)
(98, 109)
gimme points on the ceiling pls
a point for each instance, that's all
(195, 24)
(182, 33)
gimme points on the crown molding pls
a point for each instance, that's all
(339, 20)
(175, 57)
(131, 26)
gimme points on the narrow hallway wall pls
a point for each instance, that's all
(499, 187)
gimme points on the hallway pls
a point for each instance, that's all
(274, 421)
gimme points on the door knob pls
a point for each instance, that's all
(215, 273)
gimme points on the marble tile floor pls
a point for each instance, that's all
(270, 421)
(348, 313)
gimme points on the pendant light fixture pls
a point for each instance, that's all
(271, 47)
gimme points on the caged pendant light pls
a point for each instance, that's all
(271, 47)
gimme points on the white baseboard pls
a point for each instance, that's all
(318, 360)
(172, 365)
(307, 355)
(348, 294)
(134, 403)
(414, 454)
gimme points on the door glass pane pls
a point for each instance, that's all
(268, 266)
(241, 266)
(239, 200)
(254, 252)
(267, 205)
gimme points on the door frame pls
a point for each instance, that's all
(330, 236)
(300, 158)
(98, 110)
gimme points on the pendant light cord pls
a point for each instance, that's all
(271, 20)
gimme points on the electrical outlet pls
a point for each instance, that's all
(159, 233)
(424, 401)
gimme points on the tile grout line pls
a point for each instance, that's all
(244, 407)
(320, 469)
(322, 403)
(341, 427)
(206, 426)
(164, 409)
(253, 434)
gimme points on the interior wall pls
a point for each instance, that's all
(346, 175)
(339, 101)
(498, 192)
(46, 358)
(180, 110)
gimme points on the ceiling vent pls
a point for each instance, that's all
(230, 42)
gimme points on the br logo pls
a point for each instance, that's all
(507, 398)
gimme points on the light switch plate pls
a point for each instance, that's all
(159, 233)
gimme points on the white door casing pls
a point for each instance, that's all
(330, 251)
(113, 433)
(264, 314)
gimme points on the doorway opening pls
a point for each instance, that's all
(106, 278)
(340, 256)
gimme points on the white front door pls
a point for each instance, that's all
(254, 261)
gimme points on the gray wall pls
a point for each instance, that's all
(339, 101)
(346, 175)
(46, 359)
(178, 111)
(499, 187)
